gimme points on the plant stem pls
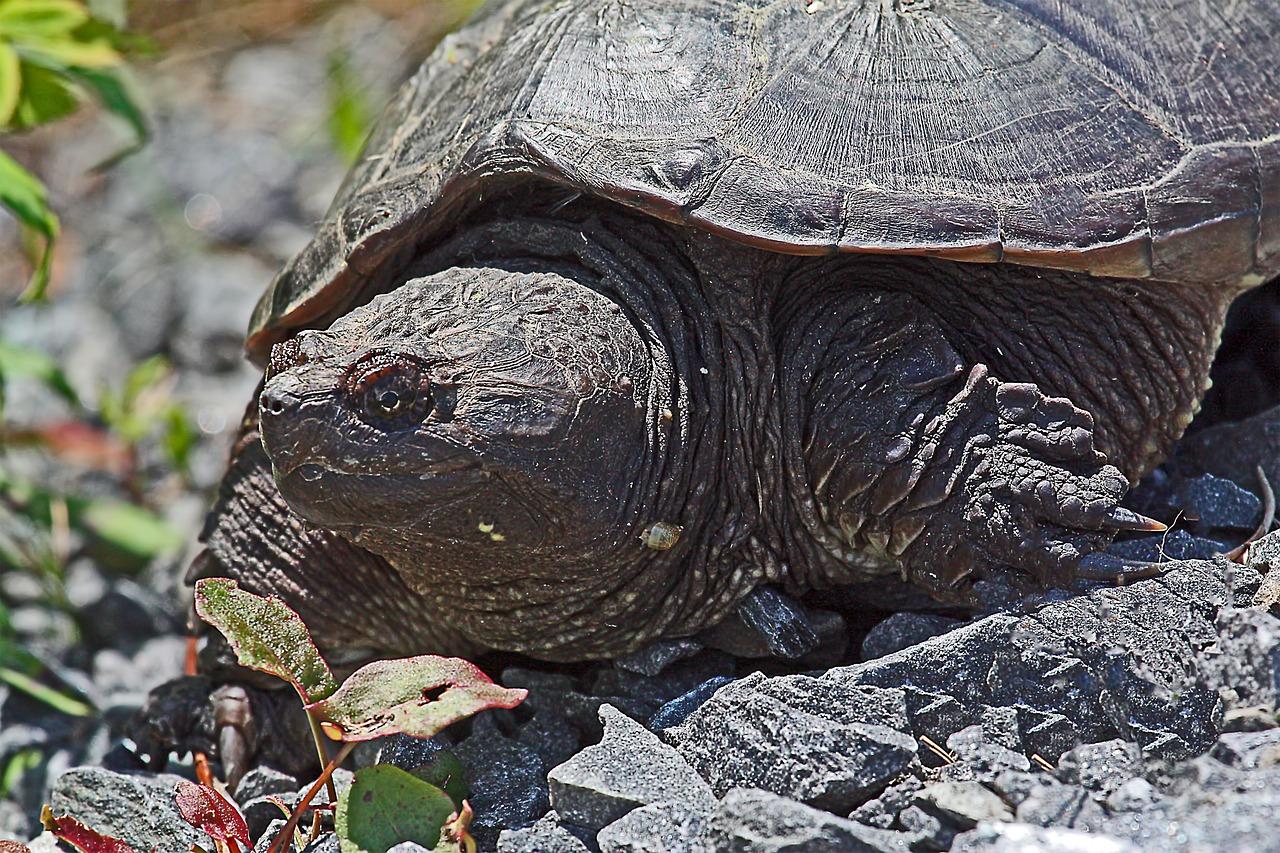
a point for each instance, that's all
(319, 737)
(291, 825)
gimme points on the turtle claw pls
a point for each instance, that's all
(1121, 518)
(1101, 566)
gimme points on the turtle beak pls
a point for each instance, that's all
(293, 408)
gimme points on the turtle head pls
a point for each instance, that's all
(487, 417)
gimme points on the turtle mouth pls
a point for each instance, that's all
(333, 497)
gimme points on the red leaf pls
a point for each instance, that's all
(7, 846)
(208, 811)
(80, 836)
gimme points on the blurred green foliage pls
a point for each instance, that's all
(54, 54)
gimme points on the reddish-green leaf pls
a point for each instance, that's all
(414, 696)
(266, 635)
(80, 836)
(209, 812)
(7, 846)
(386, 806)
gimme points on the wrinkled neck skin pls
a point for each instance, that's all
(708, 393)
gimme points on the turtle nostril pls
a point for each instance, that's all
(272, 403)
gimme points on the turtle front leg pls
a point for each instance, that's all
(906, 458)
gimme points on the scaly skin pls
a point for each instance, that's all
(561, 386)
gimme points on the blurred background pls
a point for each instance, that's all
(123, 385)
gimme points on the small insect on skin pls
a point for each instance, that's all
(661, 535)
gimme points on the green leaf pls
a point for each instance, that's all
(26, 199)
(266, 635)
(22, 18)
(59, 53)
(20, 361)
(126, 527)
(110, 87)
(386, 806)
(416, 696)
(45, 97)
(47, 695)
(10, 82)
(446, 772)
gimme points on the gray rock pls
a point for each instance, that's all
(1249, 750)
(883, 811)
(745, 737)
(263, 842)
(139, 810)
(754, 821)
(1117, 657)
(1061, 806)
(902, 630)
(963, 804)
(678, 710)
(654, 658)
(261, 781)
(658, 828)
(1176, 545)
(545, 836)
(1133, 795)
(506, 780)
(978, 759)
(629, 768)
(1101, 767)
(328, 843)
(15, 824)
(1021, 838)
(1214, 502)
(1234, 450)
(408, 847)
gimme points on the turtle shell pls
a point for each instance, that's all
(1137, 139)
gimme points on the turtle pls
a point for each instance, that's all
(632, 309)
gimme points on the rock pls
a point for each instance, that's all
(261, 781)
(1061, 806)
(545, 836)
(883, 811)
(963, 804)
(678, 710)
(755, 821)
(14, 823)
(745, 737)
(1021, 838)
(138, 809)
(1101, 767)
(1234, 450)
(327, 842)
(1264, 554)
(654, 658)
(1256, 718)
(902, 630)
(658, 828)
(1077, 667)
(263, 842)
(506, 780)
(1213, 503)
(407, 847)
(629, 768)
(1175, 545)
(977, 759)
(1249, 750)
(1133, 795)
(45, 842)
(1245, 659)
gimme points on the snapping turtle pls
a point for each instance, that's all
(630, 308)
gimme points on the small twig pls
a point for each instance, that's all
(1042, 763)
(319, 738)
(291, 826)
(1268, 518)
(940, 751)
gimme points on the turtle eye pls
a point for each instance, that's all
(394, 392)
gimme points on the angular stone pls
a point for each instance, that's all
(658, 828)
(1249, 750)
(545, 836)
(261, 781)
(902, 630)
(678, 710)
(138, 809)
(629, 768)
(963, 804)
(1022, 838)
(754, 821)
(744, 737)
(506, 780)
(1101, 767)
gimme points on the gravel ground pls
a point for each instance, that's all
(1138, 718)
